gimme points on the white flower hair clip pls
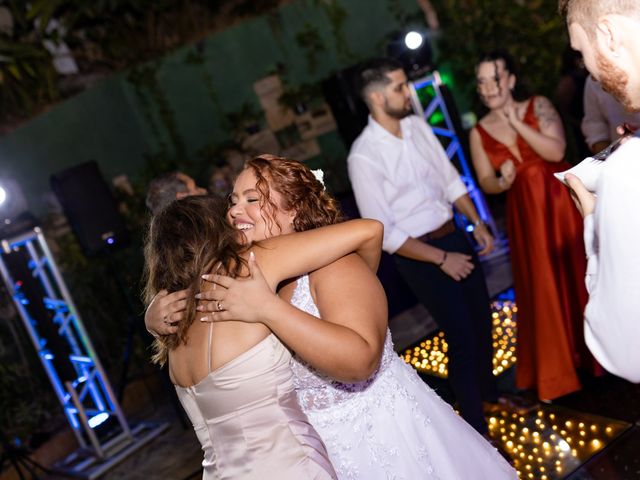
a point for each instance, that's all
(319, 174)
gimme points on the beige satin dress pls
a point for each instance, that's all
(248, 420)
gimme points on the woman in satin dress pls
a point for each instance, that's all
(376, 417)
(516, 148)
(234, 379)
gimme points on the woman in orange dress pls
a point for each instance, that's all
(516, 148)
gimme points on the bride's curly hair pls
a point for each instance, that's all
(186, 239)
(301, 192)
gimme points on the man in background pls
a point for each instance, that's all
(606, 33)
(602, 115)
(401, 176)
(169, 187)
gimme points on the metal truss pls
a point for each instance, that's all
(428, 102)
(87, 399)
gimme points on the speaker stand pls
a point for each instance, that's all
(18, 458)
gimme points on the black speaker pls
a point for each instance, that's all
(348, 109)
(90, 208)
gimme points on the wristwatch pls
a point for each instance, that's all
(478, 222)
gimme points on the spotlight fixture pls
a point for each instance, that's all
(412, 48)
(413, 40)
(13, 204)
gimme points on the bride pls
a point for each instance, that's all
(377, 418)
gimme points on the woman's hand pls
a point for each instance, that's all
(583, 198)
(484, 238)
(511, 114)
(241, 299)
(508, 172)
(164, 312)
(457, 265)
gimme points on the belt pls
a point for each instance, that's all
(443, 230)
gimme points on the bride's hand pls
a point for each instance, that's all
(164, 312)
(241, 299)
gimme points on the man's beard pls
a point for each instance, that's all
(614, 80)
(398, 113)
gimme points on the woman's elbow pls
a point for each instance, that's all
(363, 370)
(557, 154)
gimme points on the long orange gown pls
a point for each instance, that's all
(548, 262)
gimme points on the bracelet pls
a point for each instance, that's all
(444, 259)
(478, 222)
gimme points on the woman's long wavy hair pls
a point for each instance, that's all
(301, 192)
(188, 238)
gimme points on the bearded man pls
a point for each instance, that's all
(606, 33)
(402, 177)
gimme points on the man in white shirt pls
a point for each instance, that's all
(602, 114)
(401, 176)
(606, 32)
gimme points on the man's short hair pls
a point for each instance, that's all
(163, 190)
(373, 75)
(587, 12)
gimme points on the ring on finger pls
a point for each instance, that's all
(219, 306)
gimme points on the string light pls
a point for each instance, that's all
(430, 356)
(544, 444)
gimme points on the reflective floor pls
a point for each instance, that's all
(590, 434)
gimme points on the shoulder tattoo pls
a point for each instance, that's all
(544, 112)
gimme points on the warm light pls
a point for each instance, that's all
(540, 442)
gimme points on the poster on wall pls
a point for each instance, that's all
(269, 89)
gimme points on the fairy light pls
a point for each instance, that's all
(543, 444)
(430, 355)
(538, 449)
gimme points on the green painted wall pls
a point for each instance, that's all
(198, 85)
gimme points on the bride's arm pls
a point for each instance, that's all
(287, 256)
(345, 344)
(284, 257)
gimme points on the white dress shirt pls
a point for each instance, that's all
(406, 183)
(612, 241)
(602, 114)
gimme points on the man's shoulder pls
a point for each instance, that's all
(365, 144)
(624, 163)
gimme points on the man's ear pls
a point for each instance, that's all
(376, 97)
(608, 36)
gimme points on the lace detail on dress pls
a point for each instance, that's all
(391, 426)
(333, 406)
(315, 390)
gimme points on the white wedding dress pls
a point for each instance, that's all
(391, 426)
